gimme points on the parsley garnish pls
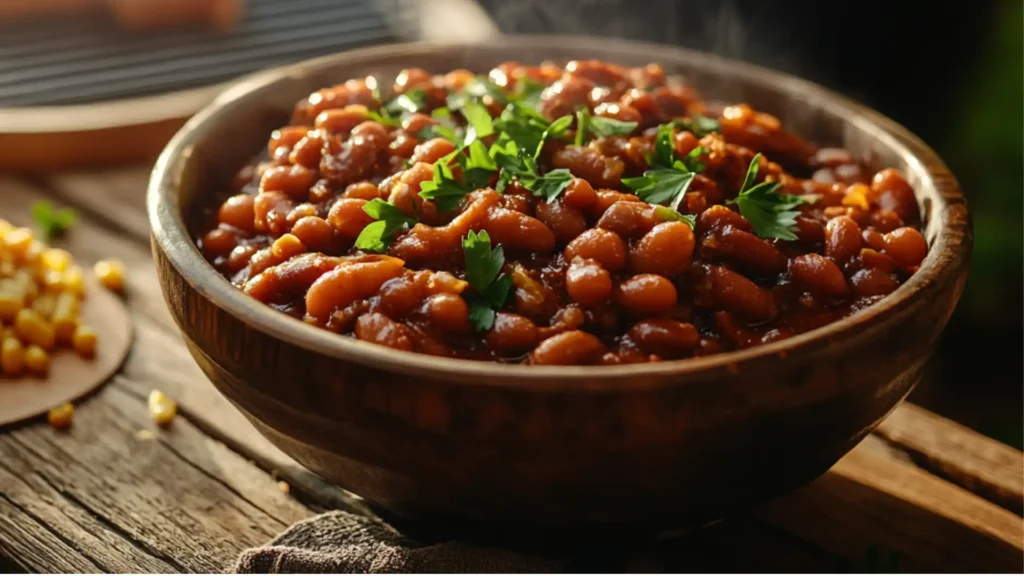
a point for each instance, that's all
(699, 125)
(600, 126)
(772, 215)
(411, 102)
(527, 128)
(483, 272)
(444, 189)
(479, 119)
(389, 220)
(477, 170)
(670, 177)
(475, 90)
(666, 214)
(528, 91)
(517, 164)
(52, 223)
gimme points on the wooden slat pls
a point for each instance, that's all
(174, 503)
(868, 500)
(982, 465)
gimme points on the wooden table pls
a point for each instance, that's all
(921, 493)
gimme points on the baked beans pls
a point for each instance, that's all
(378, 221)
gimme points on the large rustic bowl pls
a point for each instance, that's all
(660, 445)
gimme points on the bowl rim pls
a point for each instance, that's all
(951, 247)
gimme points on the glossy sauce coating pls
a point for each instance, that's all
(598, 275)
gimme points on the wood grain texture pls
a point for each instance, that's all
(985, 467)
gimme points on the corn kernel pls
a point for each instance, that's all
(37, 360)
(56, 259)
(61, 416)
(74, 281)
(45, 305)
(8, 332)
(7, 266)
(18, 241)
(162, 408)
(12, 299)
(110, 273)
(34, 253)
(5, 228)
(65, 316)
(287, 246)
(12, 356)
(33, 329)
(84, 341)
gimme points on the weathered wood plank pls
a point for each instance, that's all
(988, 468)
(182, 502)
(868, 500)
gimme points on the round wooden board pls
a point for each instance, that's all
(71, 376)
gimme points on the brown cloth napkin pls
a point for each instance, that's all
(340, 542)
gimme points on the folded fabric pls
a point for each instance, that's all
(340, 542)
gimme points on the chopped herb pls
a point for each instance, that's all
(527, 127)
(483, 272)
(479, 119)
(669, 177)
(701, 126)
(442, 112)
(444, 189)
(411, 102)
(389, 220)
(600, 126)
(661, 186)
(449, 133)
(52, 223)
(771, 214)
(666, 214)
(479, 168)
(517, 165)
(385, 118)
(527, 92)
(474, 91)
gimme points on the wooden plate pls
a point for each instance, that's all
(71, 376)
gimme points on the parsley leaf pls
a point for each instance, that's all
(516, 164)
(389, 220)
(600, 126)
(669, 177)
(411, 102)
(483, 272)
(479, 168)
(666, 214)
(444, 189)
(479, 119)
(527, 128)
(701, 126)
(475, 90)
(527, 92)
(771, 214)
(660, 186)
(52, 223)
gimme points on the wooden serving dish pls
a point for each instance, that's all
(641, 447)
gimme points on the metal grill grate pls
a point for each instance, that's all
(89, 59)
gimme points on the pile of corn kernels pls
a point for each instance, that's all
(41, 291)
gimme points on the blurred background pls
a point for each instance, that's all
(952, 73)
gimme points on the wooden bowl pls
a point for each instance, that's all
(638, 447)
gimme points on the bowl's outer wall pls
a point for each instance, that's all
(659, 450)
